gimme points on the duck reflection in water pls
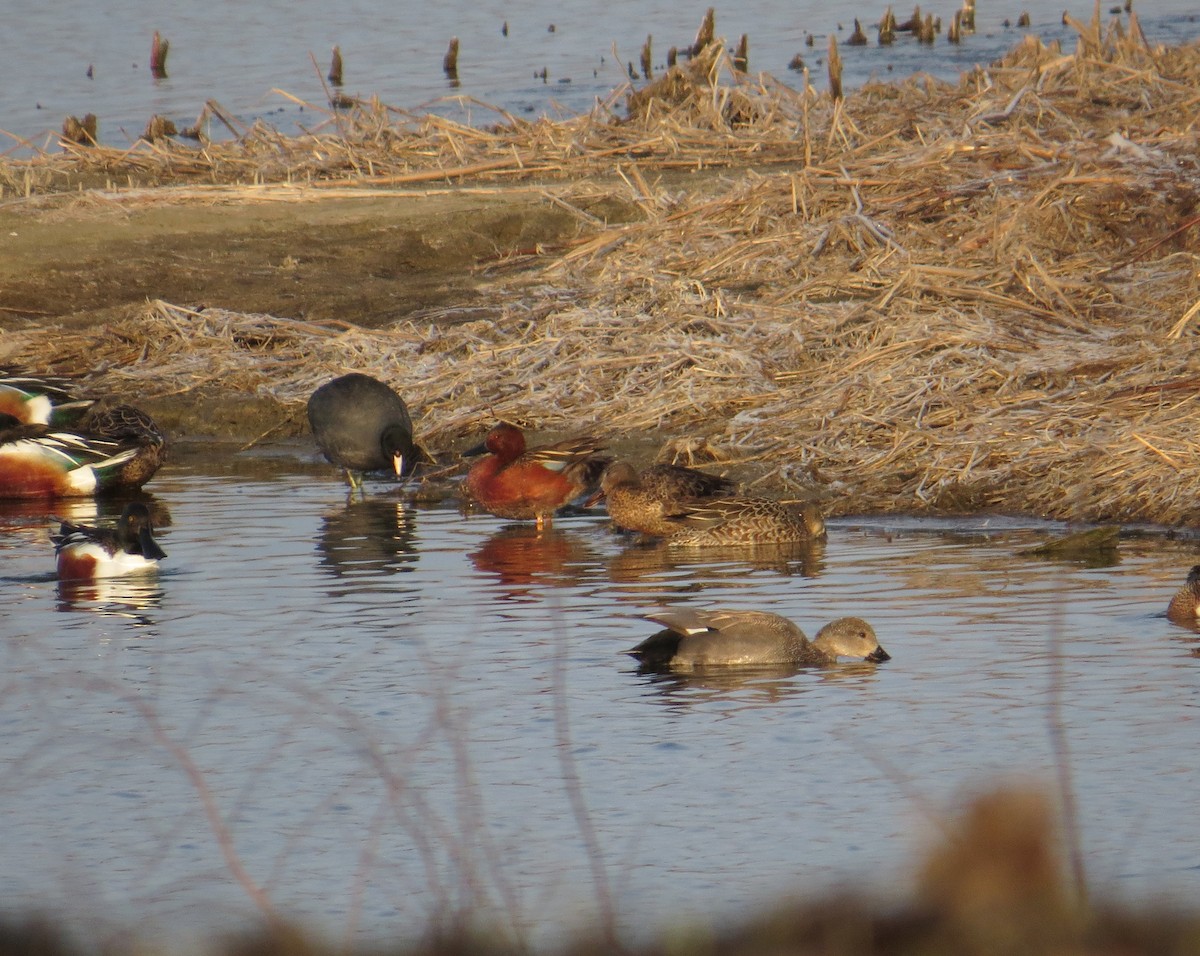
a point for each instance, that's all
(130, 598)
(649, 557)
(368, 537)
(525, 560)
(18, 514)
(764, 685)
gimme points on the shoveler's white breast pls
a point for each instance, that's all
(88, 559)
(24, 406)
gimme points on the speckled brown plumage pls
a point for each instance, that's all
(642, 502)
(744, 520)
(129, 427)
(1185, 605)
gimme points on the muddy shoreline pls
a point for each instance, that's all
(80, 261)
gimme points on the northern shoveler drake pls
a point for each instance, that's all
(512, 482)
(1185, 605)
(744, 520)
(725, 638)
(32, 400)
(642, 502)
(82, 551)
(361, 424)
(37, 462)
(129, 427)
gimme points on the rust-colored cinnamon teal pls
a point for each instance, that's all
(511, 481)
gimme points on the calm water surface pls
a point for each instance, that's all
(243, 55)
(373, 714)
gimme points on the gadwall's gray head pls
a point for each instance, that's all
(851, 637)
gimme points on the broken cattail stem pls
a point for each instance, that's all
(704, 36)
(858, 37)
(912, 24)
(158, 56)
(887, 28)
(450, 60)
(82, 131)
(741, 56)
(835, 69)
(335, 67)
(647, 59)
(158, 128)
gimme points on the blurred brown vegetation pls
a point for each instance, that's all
(997, 884)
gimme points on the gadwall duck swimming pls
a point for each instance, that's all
(511, 481)
(643, 502)
(723, 638)
(743, 520)
(361, 424)
(82, 551)
(1185, 605)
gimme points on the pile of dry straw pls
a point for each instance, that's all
(924, 296)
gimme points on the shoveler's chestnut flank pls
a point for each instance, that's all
(643, 502)
(361, 424)
(727, 638)
(82, 551)
(32, 400)
(743, 520)
(36, 462)
(512, 482)
(1185, 605)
